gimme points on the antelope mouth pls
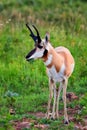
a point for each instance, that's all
(30, 60)
(30, 54)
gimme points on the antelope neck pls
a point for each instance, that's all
(48, 58)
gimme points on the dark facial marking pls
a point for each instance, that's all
(40, 47)
(45, 52)
(30, 53)
(46, 39)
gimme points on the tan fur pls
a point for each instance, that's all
(61, 55)
(67, 59)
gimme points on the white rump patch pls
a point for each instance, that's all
(49, 60)
(72, 67)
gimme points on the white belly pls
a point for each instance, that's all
(56, 76)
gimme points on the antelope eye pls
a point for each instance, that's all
(39, 46)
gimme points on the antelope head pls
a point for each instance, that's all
(40, 46)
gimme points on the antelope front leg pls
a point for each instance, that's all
(54, 104)
(50, 98)
(64, 100)
(58, 96)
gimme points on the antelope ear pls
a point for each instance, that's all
(47, 37)
(46, 40)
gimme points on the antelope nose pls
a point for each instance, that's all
(26, 58)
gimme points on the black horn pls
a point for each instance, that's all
(36, 30)
(32, 34)
(37, 38)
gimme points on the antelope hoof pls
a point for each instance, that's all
(53, 116)
(66, 122)
(57, 116)
(48, 115)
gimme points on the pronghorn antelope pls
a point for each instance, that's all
(59, 64)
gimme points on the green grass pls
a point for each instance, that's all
(67, 23)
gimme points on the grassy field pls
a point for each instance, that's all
(23, 85)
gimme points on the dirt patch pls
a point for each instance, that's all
(28, 123)
(79, 124)
(37, 114)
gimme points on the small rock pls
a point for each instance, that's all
(71, 96)
(78, 127)
(84, 128)
(12, 111)
(85, 121)
(41, 126)
(22, 125)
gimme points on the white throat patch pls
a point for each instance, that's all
(49, 60)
